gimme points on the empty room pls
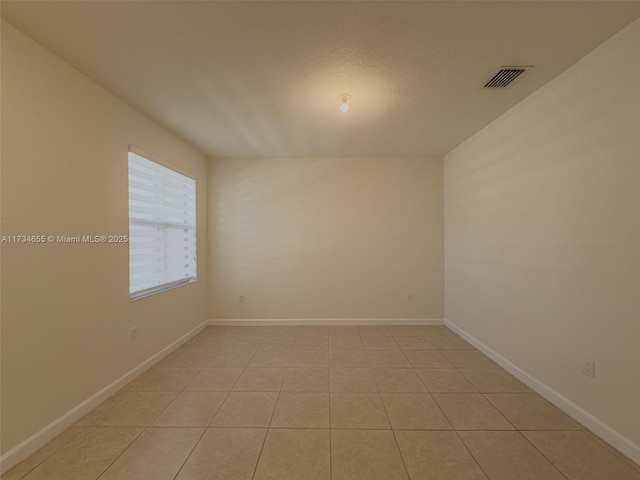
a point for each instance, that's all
(320, 240)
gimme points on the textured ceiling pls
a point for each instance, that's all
(262, 79)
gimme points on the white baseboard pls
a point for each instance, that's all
(597, 426)
(38, 439)
(256, 322)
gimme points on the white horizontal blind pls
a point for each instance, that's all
(162, 227)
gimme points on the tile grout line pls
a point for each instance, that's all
(204, 430)
(497, 410)
(457, 432)
(145, 428)
(94, 423)
(232, 387)
(543, 455)
(506, 419)
(255, 469)
(393, 433)
(621, 456)
(406, 358)
(471, 454)
(46, 457)
(330, 435)
(122, 452)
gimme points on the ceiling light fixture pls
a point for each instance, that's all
(344, 106)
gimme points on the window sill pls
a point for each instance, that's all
(147, 293)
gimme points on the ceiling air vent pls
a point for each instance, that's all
(505, 76)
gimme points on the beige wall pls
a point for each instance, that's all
(326, 238)
(542, 233)
(66, 312)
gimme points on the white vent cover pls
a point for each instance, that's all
(505, 76)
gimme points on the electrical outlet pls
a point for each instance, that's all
(410, 297)
(240, 298)
(133, 334)
(589, 368)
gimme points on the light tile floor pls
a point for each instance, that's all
(326, 403)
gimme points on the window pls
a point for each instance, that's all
(162, 227)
